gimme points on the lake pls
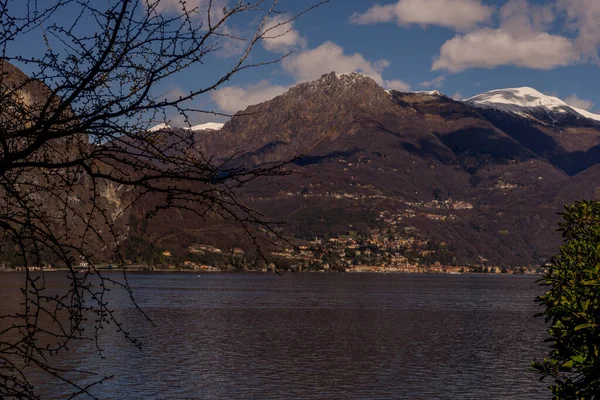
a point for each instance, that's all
(321, 336)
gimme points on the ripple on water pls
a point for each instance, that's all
(323, 336)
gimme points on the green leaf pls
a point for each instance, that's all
(590, 283)
(584, 326)
(578, 359)
(572, 305)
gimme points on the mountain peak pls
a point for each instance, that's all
(522, 100)
(435, 93)
(338, 80)
(215, 126)
(522, 96)
(348, 75)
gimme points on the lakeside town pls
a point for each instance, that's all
(380, 252)
(408, 268)
(392, 249)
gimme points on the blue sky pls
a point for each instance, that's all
(460, 47)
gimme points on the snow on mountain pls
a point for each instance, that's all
(526, 101)
(344, 80)
(522, 97)
(215, 126)
(430, 92)
(159, 127)
(423, 92)
(349, 75)
(587, 114)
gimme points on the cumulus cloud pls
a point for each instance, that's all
(521, 17)
(234, 98)
(175, 93)
(436, 82)
(177, 6)
(520, 40)
(575, 101)
(311, 64)
(457, 95)
(489, 48)
(280, 35)
(229, 42)
(456, 14)
(396, 84)
(583, 16)
(305, 66)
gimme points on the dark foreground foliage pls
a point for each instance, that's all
(573, 307)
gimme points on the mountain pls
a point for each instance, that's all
(420, 174)
(483, 177)
(209, 125)
(564, 135)
(530, 103)
(54, 201)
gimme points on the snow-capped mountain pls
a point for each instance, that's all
(429, 92)
(528, 102)
(435, 93)
(485, 175)
(159, 127)
(215, 126)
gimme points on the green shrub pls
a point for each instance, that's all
(572, 307)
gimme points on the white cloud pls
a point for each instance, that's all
(234, 98)
(488, 48)
(380, 65)
(229, 39)
(229, 43)
(457, 95)
(306, 66)
(396, 84)
(519, 17)
(583, 16)
(281, 37)
(520, 40)
(178, 6)
(311, 64)
(176, 118)
(436, 82)
(575, 101)
(456, 14)
(175, 93)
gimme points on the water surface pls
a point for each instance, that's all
(322, 336)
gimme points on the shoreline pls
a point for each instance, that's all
(199, 272)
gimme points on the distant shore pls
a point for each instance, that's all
(374, 270)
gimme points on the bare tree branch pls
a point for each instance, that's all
(74, 137)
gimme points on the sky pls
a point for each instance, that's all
(459, 47)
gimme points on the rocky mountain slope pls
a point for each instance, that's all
(484, 176)
(42, 202)
(480, 179)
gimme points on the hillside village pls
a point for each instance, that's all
(393, 248)
(380, 251)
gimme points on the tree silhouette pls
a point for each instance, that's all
(76, 152)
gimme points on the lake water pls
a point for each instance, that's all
(322, 336)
